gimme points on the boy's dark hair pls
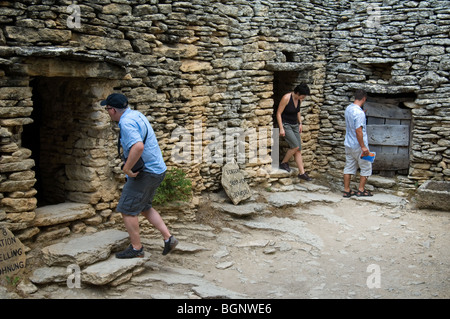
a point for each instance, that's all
(302, 89)
(360, 94)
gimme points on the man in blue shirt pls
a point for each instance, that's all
(139, 143)
(356, 145)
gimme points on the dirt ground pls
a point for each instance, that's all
(343, 249)
(368, 251)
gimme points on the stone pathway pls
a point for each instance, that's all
(298, 241)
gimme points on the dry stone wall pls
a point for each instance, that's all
(202, 71)
(392, 49)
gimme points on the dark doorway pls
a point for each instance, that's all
(43, 138)
(71, 140)
(283, 82)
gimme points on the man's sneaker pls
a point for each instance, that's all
(130, 252)
(285, 166)
(305, 177)
(170, 245)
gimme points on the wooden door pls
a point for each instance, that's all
(389, 133)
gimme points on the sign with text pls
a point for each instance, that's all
(234, 183)
(12, 254)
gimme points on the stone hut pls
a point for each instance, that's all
(398, 51)
(203, 71)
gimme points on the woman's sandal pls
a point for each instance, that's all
(349, 194)
(364, 193)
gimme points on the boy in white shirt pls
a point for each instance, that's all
(356, 145)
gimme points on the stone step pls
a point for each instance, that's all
(92, 255)
(294, 198)
(85, 250)
(62, 213)
(113, 271)
(246, 209)
(181, 276)
(384, 199)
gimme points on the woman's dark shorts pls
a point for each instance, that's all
(138, 192)
(292, 135)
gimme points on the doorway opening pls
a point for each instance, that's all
(70, 139)
(285, 82)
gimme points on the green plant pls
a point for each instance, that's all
(174, 187)
(13, 281)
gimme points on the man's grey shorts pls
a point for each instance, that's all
(353, 160)
(292, 135)
(138, 192)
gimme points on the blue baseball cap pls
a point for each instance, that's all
(116, 100)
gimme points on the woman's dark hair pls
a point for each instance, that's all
(302, 89)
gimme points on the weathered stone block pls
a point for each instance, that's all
(234, 183)
(85, 250)
(106, 271)
(434, 195)
(31, 35)
(195, 66)
(15, 93)
(15, 205)
(13, 186)
(62, 213)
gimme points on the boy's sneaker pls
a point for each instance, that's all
(130, 252)
(170, 245)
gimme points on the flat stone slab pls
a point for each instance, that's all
(106, 271)
(62, 213)
(85, 250)
(327, 213)
(180, 276)
(296, 228)
(311, 187)
(284, 199)
(182, 247)
(382, 182)
(171, 276)
(293, 198)
(383, 199)
(211, 291)
(46, 275)
(243, 210)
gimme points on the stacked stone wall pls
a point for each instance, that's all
(196, 66)
(204, 68)
(391, 48)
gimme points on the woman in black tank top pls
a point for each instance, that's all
(292, 110)
(290, 123)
